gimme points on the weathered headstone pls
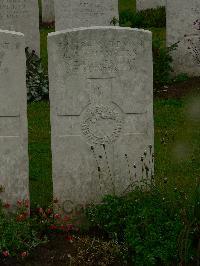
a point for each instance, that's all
(101, 97)
(22, 16)
(84, 13)
(146, 4)
(48, 15)
(13, 118)
(183, 27)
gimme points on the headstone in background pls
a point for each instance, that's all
(101, 94)
(22, 16)
(48, 15)
(146, 4)
(183, 26)
(84, 13)
(14, 174)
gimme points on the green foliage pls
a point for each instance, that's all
(44, 31)
(162, 63)
(181, 77)
(36, 79)
(154, 224)
(144, 19)
(127, 5)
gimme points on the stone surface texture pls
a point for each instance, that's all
(146, 4)
(13, 118)
(84, 13)
(183, 28)
(101, 96)
(22, 16)
(48, 14)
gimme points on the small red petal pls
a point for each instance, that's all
(6, 253)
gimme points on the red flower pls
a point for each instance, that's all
(53, 227)
(70, 227)
(49, 211)
(6, 205)
(70, 239)
(62, 227)
(19, 202)
(57, 216)
(24, 254)
(21, 217)
(26, 203)
(6, 253)
(40, 210)
(25, 214)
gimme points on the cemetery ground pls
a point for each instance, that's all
(177, 142)
(161, 224)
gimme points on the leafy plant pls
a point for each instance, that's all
(154, 224)
(144, 19)
(181, 77)
(36, 79)
(162, 62)
(17, 234)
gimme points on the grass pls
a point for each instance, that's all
(159, 33)
(177, 138)
(125, 5)
(40, 154)
(43, 46)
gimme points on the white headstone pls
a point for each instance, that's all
(101, 94)
(84, 13)
(22, 16)
(147, 4)
(48, 15)
(13, 118)
(183, 26)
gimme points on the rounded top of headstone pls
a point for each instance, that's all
(11, 32)
(117, 28)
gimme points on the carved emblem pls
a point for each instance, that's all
(102, 124)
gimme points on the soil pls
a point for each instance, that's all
(83, 250)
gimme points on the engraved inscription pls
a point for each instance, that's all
(102, 124)
(107, 56)
(84, 13)
(14, 8)
(21, 16)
